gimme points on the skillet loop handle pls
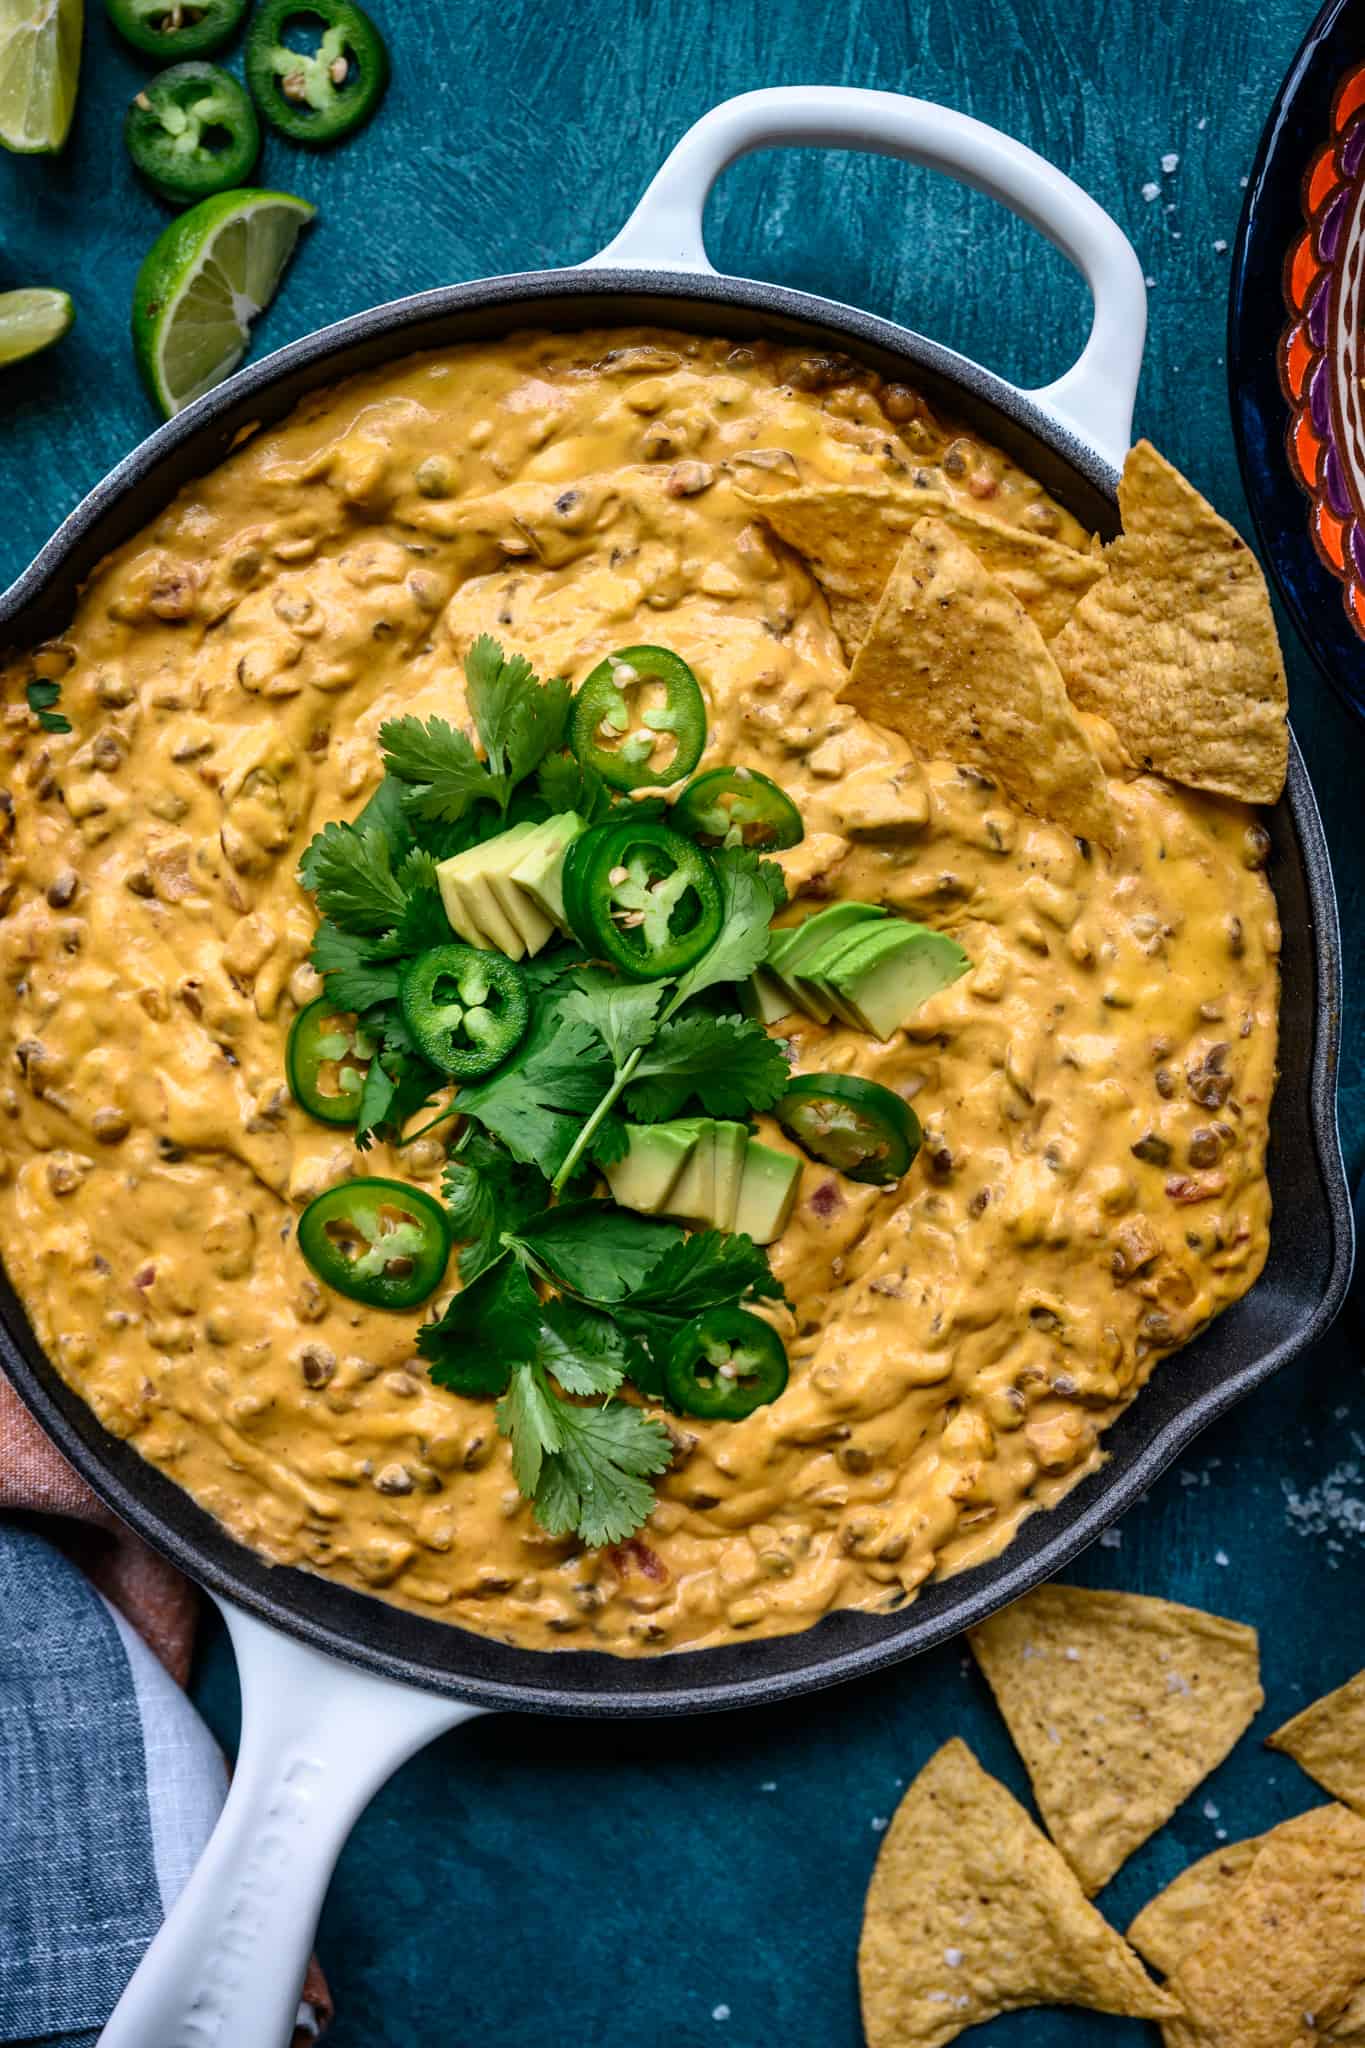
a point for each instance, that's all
(1094, 400)
(318, 1740)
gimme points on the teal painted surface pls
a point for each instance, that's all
(525, 1884)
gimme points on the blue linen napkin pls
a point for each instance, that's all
(109, 1788)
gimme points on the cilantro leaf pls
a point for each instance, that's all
(42, 695)
(537, 1100)
(384, 813)
(438, 762)
(490, 1326)
(590, 1462)
(396, 1086)
(355, 980)
(709, 1269)
(622, 1013)
(595, 1249)
(487, 1192)
(587, 1353)
(351, 874)
(729, 1064)
(528, 1414)
(568, 784)
(520, 719)
(747, 892)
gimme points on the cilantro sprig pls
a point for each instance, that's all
(567, 1300)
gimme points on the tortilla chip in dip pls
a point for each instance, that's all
(1281, 1959)
(1119, 1705)
(1328, 1741)
(851, 534)
(1177, 645)
(954, 664)
(1173, 1924)
(971, 1912)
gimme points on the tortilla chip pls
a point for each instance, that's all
(1119, 1705)
(1328, 1741)
(1173, 1924)
(1177, 1921)
(971, 1912)
(1283, 1957)
(1177, 646)
(851, 534)
(954, 664)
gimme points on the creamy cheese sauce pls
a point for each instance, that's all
(1094, 1092)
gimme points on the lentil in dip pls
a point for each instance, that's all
(1094, 1092)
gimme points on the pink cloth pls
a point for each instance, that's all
(162, 1606)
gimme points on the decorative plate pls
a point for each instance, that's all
(1295, 350)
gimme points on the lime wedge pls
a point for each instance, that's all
(202, 283)
(32, 319)
(40, 63)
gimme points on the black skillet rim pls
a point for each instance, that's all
(367, 1631)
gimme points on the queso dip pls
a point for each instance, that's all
(1094, 1092)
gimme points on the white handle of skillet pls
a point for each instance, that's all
(318, 1740)
(1095, 398)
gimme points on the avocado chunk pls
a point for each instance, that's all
(869, 942)
(470, 902)
(517, 904)
(885, 987)
(765, 998)
(767, 1192)
(540, 867)
(794, 946)
(694, 1194)
(731, 1143)
(650, 1171)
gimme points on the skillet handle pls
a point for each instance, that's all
(318, 1740)
(1095, 399)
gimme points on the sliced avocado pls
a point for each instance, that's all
(765, 998)
(694, 1195)
(516, 901)
(541, 864)
(471, 905)
(767, 1192)
(731, 1143)
(885, 988)
(869, 942)
(647, 1175)
(792, 947)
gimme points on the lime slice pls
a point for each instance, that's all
(202, 283)
(40, 63)
(32, 319)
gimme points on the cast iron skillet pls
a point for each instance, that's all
(343, 1724)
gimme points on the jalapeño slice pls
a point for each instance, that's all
(641, 897)
(724, 1365)
(377, 1241)
(320, 95)
(466, 1008)
(175, 29)
(326, 1061)
(858, 1127)
(738, 807)
(659, 742)
(192, 131)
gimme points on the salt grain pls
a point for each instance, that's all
(1220, 1557)
(1334, 1506)
(1220, 247)
(1151, 192)
(1210, 1810)
(953, 1958)
(1170, 163)
(878, 1823)
(720, 2012)
(1111, 1539)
